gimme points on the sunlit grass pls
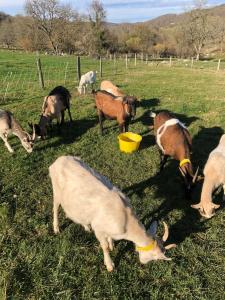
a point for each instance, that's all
(36, 264)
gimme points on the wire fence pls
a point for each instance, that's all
(21, 77)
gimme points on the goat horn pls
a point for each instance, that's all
(170, 246)
(33, 133)
(166, 232)
(195, 176)
(182, 172)
(216, 206)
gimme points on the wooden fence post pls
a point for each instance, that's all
(192, 62)
(218, 66)
(126, 59)
(66, 72)
(114, 63)
(170, 61)
(100, 66)
(146, 60)
(78, 69)
(40, 74)
(135, 59)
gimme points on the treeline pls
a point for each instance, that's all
(49, 26)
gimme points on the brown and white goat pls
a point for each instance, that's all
(109, 87)
(8, 124)
(123, 109)
(54, 105)
(175, 141)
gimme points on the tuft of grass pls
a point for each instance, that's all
(36, 264)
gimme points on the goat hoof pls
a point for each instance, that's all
(110, 267)
(87, 228)
(56, 230)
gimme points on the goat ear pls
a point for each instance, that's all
(125, 100)
(153, 228)
(216, 206)
(196, 206)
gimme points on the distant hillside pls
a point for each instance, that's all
(172, 19)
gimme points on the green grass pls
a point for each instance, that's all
(36, 264)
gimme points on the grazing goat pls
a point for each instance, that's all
(54, 105)
(91, 200)
(214, 173)
(120, 108)
(85, 80)
(8, 124)
(174, 140)
(109, 87)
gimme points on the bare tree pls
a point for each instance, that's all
(51, 18)
(197, 29)
(218, 29)
(97, 16)
(7, 33)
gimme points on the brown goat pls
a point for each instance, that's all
(174, 140)
(111, 107)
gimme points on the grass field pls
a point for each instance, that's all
(36, 264)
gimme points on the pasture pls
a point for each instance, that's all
(35, 263)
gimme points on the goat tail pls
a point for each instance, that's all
(152, 114)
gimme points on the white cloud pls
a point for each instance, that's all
(11, 3)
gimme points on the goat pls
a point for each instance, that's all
(214, 176)
(174, 140)
(8, 124)
(54, 105)
(91, 200)
(108, 86)
(120, 108)
(85, 80)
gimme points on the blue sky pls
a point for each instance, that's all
(120, 10)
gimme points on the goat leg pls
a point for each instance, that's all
(126, 125)
(4, 138)
(105, 247)
(163, 160)
(122, 127)
(100, 117)
(62, 117)
(70, 115)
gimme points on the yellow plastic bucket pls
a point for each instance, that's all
(129, 142)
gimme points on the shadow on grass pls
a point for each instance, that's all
(148, 121)
(20, 278)
(69, 132)
(168, 188)
(204, 142)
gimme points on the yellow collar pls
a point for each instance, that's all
(184, 161)
(149, 247)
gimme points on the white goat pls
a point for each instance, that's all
(91, 200)
(214, 173)
(108, 86)
(85, 80)
(8, 124)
